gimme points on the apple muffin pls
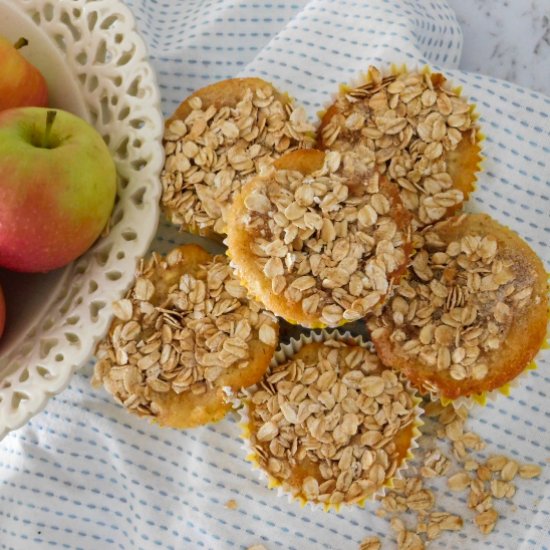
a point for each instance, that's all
(329, 424)
(183, 335)
(473, 313)
(415, 130)
(315, 247)
(219, 137)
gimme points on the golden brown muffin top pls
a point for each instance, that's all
(219, 137)
(185, 328)
(412, 128)
(330, 423)
(473, 312)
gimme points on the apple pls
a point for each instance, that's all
(2, 312)
(21, 83)
(57, 188)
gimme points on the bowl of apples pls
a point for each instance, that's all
(80, 157)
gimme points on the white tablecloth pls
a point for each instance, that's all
(84, 474)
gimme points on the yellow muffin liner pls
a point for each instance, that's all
(396, 70)
(284, 353)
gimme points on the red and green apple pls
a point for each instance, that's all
(57, 188)
(21, 83)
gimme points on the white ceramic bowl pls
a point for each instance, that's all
(96, 66)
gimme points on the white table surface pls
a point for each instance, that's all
(508, 39)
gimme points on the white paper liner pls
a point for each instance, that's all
(284, 353)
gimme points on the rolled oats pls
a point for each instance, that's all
(324, 437)
(528, 471)
(178, 333)
(459, 481)
(486, 520)
(370, 543)
(215, 149)
(329, 246)
(405, 125)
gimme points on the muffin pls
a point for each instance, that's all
(329, 424)
(219, 137)
(185, 333)
(473, 313)
(315, 247)
(415, 130)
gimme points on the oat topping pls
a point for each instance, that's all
(214, 150)
(325, 241)
(179, 332)
(325, 424)
(458, 305)
(405, 125)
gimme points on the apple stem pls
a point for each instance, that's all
(21, 43)
(50, 117)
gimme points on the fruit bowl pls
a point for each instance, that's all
(96, 66)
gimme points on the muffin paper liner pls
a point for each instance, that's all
(284, 353)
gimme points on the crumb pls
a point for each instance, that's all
(370, 543)
(231, 504)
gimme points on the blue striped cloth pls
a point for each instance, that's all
(83, 474)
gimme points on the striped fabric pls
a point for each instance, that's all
(83, 474)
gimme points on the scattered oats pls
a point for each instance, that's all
(528, 471)
(370, 543)
(421, 500)
(435, 464)
(407, 540)
(471, 465)
(483, 473)
(495, 463)
(459, 481)
(449, 424)
(444, 522)
(486, 521)
(502, 489)
(509, 470)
